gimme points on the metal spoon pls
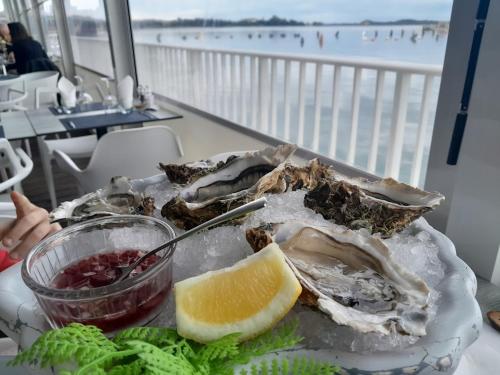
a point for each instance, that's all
(124, 271)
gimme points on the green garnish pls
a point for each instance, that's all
(159, 351)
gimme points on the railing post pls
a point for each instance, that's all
(243, 96)
(377, 119)
(223, 74)
(351, 154)
(211, 82)
(232, 92)
(317, 106)
(286, 102)
(217, 84)
(337, 76)
(400, 106)
(416, 167)
(264, 94)
(274, 79)
(302, 83)
(253, 91)
(207, 74)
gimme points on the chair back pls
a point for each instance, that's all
(45, 79)
(134, 153)
(16, 161)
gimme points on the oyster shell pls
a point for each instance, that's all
(117, 198)
(350, 276)
(384, 206)
(189, 172)
(231, 186)
(288, 176)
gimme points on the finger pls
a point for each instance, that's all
(23, 204)
(25, 225)
(5, 227)
(35, 236)
(55, 228)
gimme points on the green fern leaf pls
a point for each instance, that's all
(156, 359)
(76, 342)
(155, 336)
(223, 348)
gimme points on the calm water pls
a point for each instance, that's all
(356, 41)
(407, 43)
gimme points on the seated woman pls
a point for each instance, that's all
(31, 226)
(29, 54)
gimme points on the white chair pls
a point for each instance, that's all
(76, 147)
(12, 94)
(132, 152)
(38, 82)
(17, 164)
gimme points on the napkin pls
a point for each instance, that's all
(68, 92)
(6, 261)
(125, 91)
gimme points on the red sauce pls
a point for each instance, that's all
(100, 270)
(116, 311)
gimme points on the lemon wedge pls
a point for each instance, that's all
(249, 297)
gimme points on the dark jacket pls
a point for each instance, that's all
(30, 57)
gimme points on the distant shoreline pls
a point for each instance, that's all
(273, 21)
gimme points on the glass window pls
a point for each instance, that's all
(357, 82)
(3, 13)
(49, 29)
(89, 35)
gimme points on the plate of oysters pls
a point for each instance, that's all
(382, 292)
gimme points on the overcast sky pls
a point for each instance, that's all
(302, 10)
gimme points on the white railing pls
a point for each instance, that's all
(374, 114)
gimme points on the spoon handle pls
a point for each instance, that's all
(233, 214)
(230, 215)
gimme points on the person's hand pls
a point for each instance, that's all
(30, 227)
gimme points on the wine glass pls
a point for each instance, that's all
(109, 100)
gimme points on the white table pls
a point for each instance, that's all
(16, 125)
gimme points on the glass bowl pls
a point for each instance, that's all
(135, 301)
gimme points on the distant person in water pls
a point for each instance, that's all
(29, 54)
(337, 34)
(302, 41)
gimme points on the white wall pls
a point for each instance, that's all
(474, 219)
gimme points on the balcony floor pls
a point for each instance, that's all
(35, 186)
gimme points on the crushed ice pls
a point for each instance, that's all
(223, 246)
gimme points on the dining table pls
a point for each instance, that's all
(20, 125)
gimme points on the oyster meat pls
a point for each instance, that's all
(290, 177)
(231, 186)
(350, 276)
(384, 206)
(189, 172)
(116, 198)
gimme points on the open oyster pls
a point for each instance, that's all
(190, 172)
(228, 187)
(288, 176)
(350, 276)
(384, 206)
(117, 198)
